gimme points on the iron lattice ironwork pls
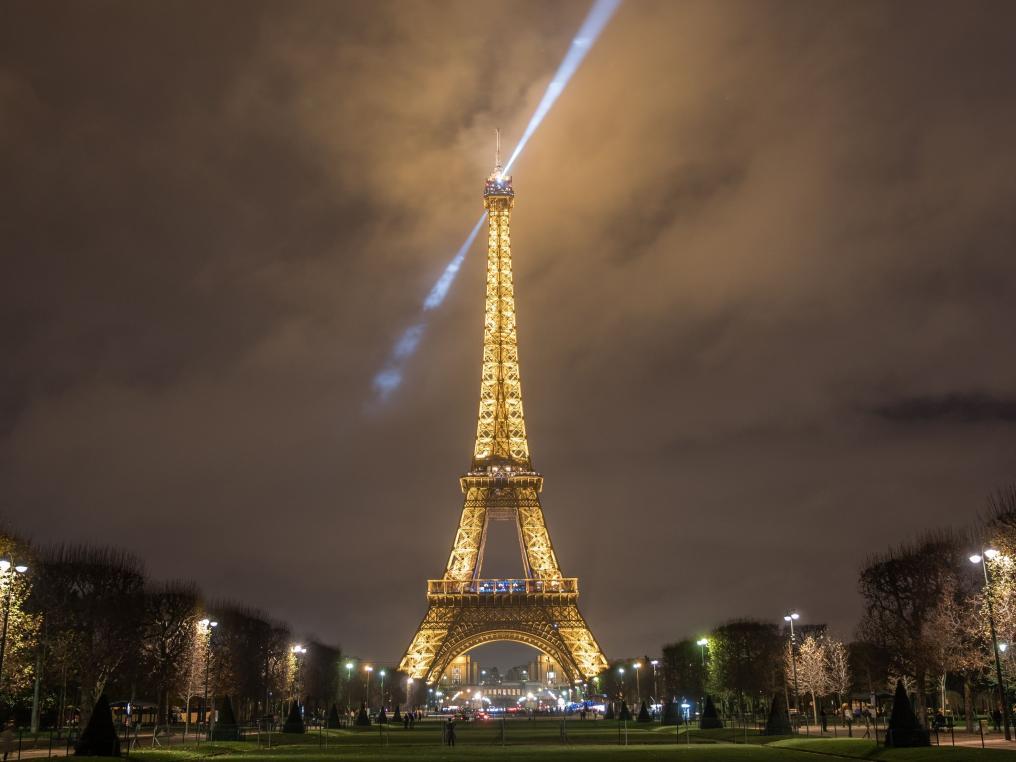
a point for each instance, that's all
(539, 609)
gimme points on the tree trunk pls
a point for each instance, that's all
(63, 697)
(922, 701)
(814, 707)
(35, 690)
(968, 703)
(88, 699)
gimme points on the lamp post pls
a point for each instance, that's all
(702, 643)
(409, 694)
(349, 685)
(298, 650)
(792, 617)
(7, 565)
(982, 558)
(382, 673)
(656, 686)
(209, 627)
(366, 687)
(638, 690)
(620, 672)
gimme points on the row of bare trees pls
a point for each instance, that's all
(85, 620)
(927, 608)
(925, 621)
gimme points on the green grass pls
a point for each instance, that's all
(541, 741)
(857, 748)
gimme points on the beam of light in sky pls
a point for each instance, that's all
(390, 377)
(596, 20)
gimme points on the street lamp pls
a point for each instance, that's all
(409, 695)
(382, 673)
(982, 558)
(349, 685)
(208, 627)
(620, 672)
(792, 617)
(368, 669)
(6, 565)
(298, 650)
(702, 643)
(638, 690)
(656, 688)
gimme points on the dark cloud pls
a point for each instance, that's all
(960, 408)
(742, 224)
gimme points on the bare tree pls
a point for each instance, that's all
(902, 590)
(812, 669)
(169, 629)
(250, 656)
(840, 678)
(93, 602)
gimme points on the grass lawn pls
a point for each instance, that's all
(541, 740)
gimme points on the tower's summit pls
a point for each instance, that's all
(498, 184)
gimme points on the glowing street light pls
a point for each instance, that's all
(382, 673)
(637, 666)
(298, 650)
(792, 617)
(349, 685)
(656, 688)
(702, 643)
(5, 566)
(982, 558)
(208, 627)
(368, 669)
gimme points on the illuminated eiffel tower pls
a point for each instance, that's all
(541, 608)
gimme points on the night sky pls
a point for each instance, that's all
(765, 262)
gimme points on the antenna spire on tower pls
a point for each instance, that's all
(497, 151)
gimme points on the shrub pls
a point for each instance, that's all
(904, 729)
(709, 718)
(99, 738)
(294, 722)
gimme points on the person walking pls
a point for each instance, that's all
(7, 739)
(450, 732)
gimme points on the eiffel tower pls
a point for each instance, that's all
(541, 608)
